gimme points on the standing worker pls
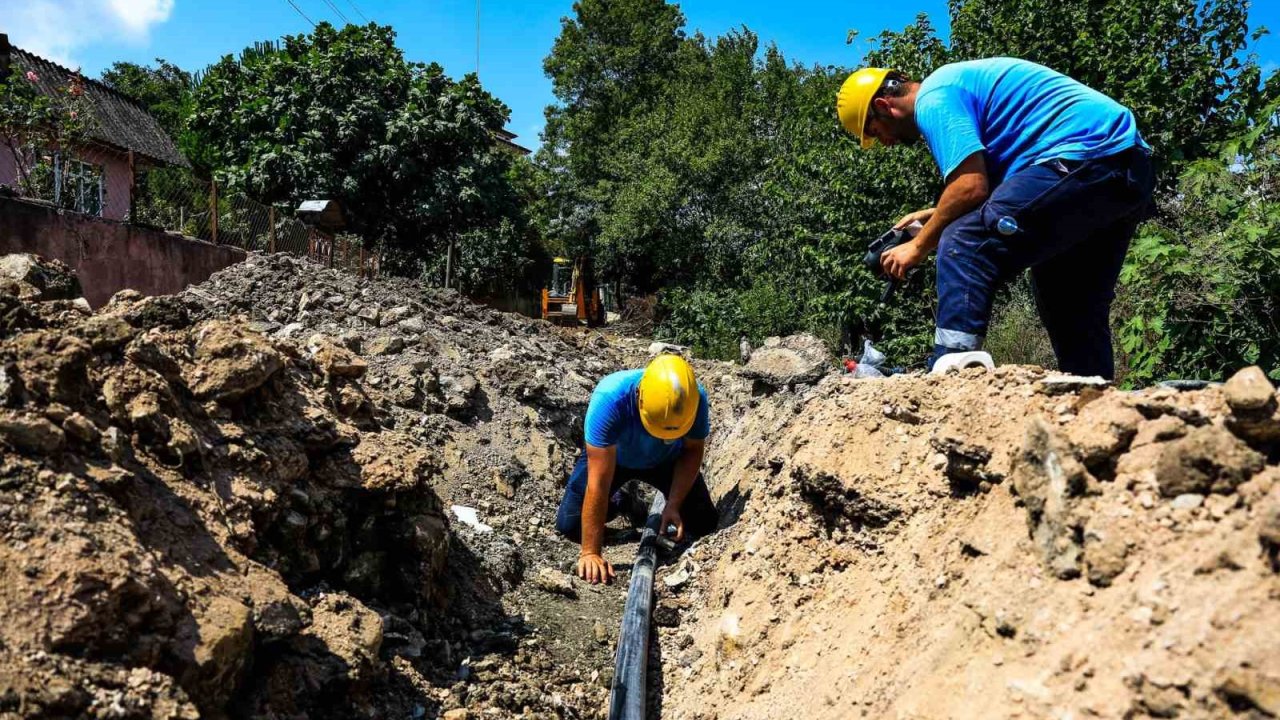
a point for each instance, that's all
(1040, 172)
(649, 425)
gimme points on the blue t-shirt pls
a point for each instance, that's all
(613, 418)
(1020, 114)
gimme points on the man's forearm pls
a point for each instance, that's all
(684, 473)
(957, 199)
(595, 504)
(967, 187)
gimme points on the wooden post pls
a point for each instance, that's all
(213, 210)
(133, 186)
(448, 263)
(361, 273)
(271, 218)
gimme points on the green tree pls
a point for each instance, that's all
(610, 64)
(162, 89)
(340, 114)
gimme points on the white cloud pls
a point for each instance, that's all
(56, 29)
(138, 16)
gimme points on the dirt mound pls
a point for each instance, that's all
(985, 545)
(213, 506)
(291, 493)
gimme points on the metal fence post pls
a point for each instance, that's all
(213, 210)
(271, 215)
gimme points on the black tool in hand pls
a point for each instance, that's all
(882, 245)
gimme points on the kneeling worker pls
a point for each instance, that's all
(648, 425)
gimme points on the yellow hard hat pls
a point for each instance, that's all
(854, 99)
(668, 397)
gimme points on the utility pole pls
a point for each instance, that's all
(477, 39)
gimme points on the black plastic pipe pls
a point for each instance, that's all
(630, 672)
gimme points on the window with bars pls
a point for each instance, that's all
(81, 188)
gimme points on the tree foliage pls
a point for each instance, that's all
(340, 114)
(162, 89)
(1200, 293)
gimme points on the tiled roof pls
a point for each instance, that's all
(120, 120)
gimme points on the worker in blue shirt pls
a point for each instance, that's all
(649, 425)
(1040, 172)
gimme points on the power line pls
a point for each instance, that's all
(335, 9)
(353, 7)
(299, 11)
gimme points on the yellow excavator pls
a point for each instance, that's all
(573, 297)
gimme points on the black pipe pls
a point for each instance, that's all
(628, 695)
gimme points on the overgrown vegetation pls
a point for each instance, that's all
(41, 129)
(1201, 288)
(714, 173)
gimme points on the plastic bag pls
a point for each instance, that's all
(867, 371)
(871, 356)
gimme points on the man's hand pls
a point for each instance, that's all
(896, 262)
(921, 215)
(671, 516)
(594, 569)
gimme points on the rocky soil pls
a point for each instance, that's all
(289, 493)
(238, 502)
(987, 545)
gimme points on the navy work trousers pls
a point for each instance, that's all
(698, 512)
(1070, 222)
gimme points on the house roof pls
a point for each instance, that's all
(120, 120)
(507, 138)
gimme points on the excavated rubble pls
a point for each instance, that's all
(235, 502)
(292, 493)
(1001, 544)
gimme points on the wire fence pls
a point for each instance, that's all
(114, 185)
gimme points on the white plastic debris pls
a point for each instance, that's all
(469, 517)
(962, 360)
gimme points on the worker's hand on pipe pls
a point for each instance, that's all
(897, 261)
(671, 517)
(921, 215)
(594, 569)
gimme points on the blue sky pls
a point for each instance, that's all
(514, 36)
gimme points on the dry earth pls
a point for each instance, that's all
(983, 546)
(238, 502)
